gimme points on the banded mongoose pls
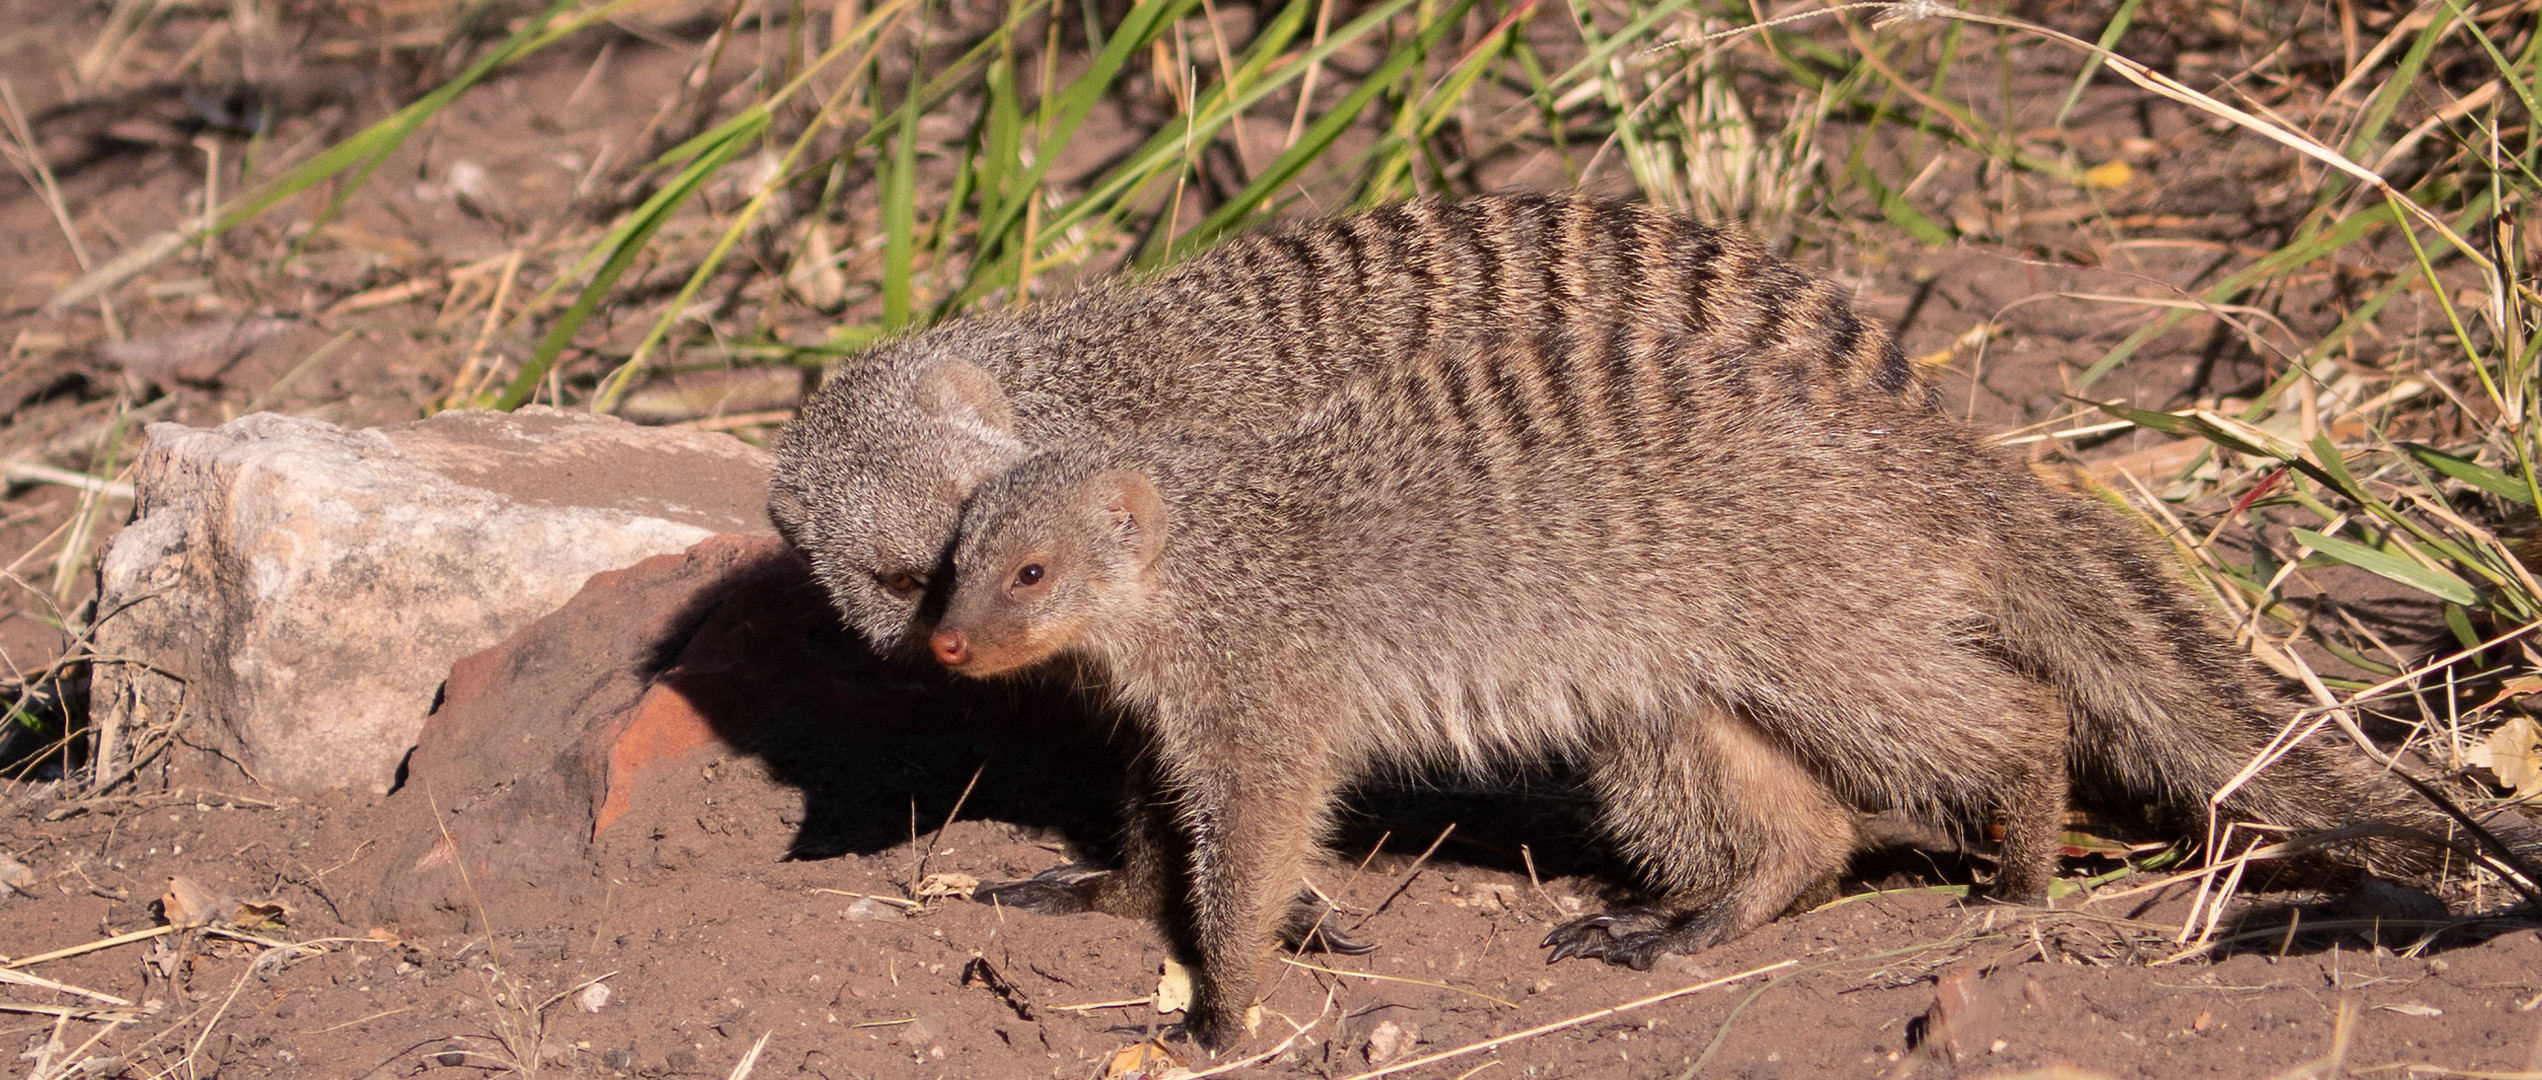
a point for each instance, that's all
(1751, 612)
(1246, 337)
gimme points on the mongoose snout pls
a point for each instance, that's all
(952, 647)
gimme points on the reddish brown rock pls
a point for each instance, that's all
(561, 758)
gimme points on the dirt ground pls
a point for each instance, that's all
(735, 928)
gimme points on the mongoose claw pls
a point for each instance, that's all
(1309, 928)
(1632, 937)
(1061, 890)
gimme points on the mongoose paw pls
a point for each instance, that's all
(1060, 890)
(1630, 937)
(1309, 927)
(1207, 1026)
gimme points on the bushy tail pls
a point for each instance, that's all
(2168, 710)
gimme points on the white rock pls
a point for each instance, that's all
(298, 591)
(1390, 1040)
(868, 909)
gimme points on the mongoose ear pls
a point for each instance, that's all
(956, 391)
(1135, 514)
(786, 511)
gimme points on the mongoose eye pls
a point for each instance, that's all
(903, 583)
(1030, 573)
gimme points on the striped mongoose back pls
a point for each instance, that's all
(1248, 335)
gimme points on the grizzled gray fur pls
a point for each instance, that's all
(1752, 609)
(1248, 335)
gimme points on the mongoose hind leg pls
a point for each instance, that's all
(1310, 927)
(1727, 824)
(2034, 821)
(1140, 888)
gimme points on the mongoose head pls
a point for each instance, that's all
(869, 484)
(1055, 550)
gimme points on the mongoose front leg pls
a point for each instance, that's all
(1725, 823)
(1149, 880)
(1249, 836)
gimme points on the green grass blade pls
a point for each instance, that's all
(2319, 246)
(2470, 472)
(2507, 69)
(1319, 136)
(900, 212)
(2426, 579)
(1147, 20)
(1899, 212)
(2110, 34)
(623, 243)
(365, 150)
(1163, 151)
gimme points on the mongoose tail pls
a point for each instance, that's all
(2169, 710)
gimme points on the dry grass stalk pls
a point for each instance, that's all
(90, 947)
(750, 1061)
(1576, 1021)
(1292, 962)
(2331, 1065)
(30, 164)
(21, 978)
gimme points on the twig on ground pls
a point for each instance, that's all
(911, 904)
(1399, 979)
(920, 874)
(1094, 1006)
(1405, 882)
(1576, 1021)
(185, 1063)
(73, 1011)
(1257, 1059)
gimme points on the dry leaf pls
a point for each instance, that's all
(258, 917)
(163, 957)
(1140, 1060)
(2515, 687)
(17, 875)
(2514, 753)
(2108, 174)
(1174, 989)
(949, 883)
(187, 904)
(2412, 1008)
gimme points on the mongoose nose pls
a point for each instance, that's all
(950, 647)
